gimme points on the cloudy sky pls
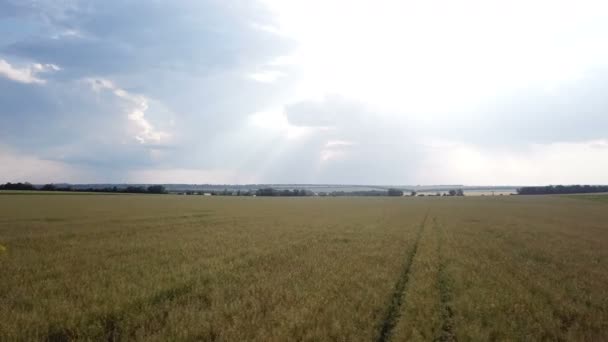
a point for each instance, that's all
(292, 91)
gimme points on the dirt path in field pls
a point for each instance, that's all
(445, 290)
(392, 313)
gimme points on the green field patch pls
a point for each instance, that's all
(597, 198)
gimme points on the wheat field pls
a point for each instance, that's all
(194, 268)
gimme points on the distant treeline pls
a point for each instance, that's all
(152, 189)
(272, 192)
(17, 186)
(389, 192)
(285, 192)
(561, 189)
(267, 191)
(303, 192)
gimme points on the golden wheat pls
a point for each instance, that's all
(145, 267)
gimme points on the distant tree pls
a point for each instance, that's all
(156, 189)
(48, 187)
(459, 192)
(413, 193)
(283, 193)
(395, 192)
(562, 189)
(304, 192)
(452, 192)
(18, 186)
(266, 192)
(135, 189)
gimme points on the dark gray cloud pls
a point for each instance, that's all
(186, 60)
(131, 36)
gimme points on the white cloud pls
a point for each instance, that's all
(330, 154)
(137, 107)
(535, 164)
(433, 56)
(189, 176)
(276, 122)
(267, 28)
(335, 149)
(267, 76)
(338, 143)
(67, 34)
(18, 167)
(27, 74)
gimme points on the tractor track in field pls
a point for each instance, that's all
(446, 333)
(398, 296)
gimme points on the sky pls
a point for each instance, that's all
(475, 92)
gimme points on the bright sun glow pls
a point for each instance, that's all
(429, 56)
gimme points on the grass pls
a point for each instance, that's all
(142, 267)
(596, 197)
